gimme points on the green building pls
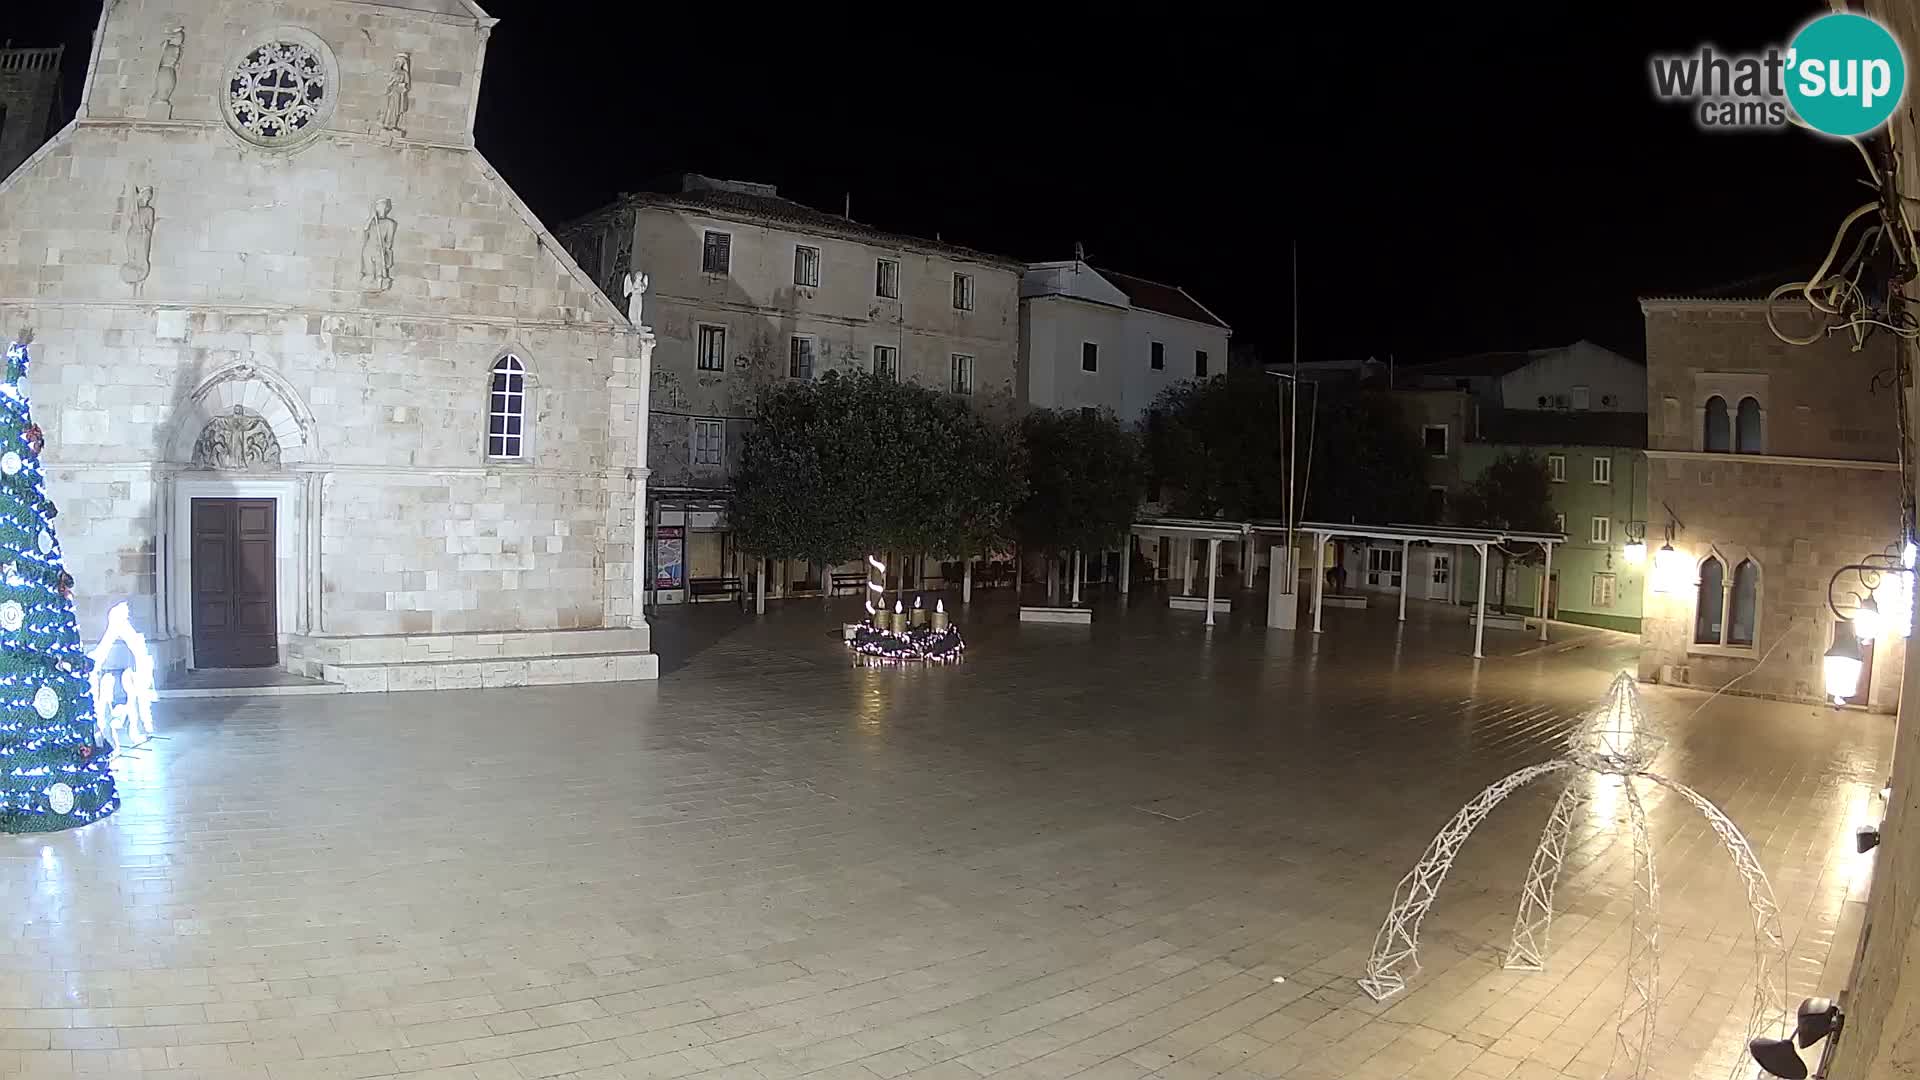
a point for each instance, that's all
(1598, 463)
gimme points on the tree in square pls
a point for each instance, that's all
(52, 775)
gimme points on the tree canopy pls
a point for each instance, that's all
(1514, 492)
(1218, 447)
(1367, 463)
(856, 462)
(1085, 478)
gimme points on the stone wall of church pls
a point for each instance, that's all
(152, 249)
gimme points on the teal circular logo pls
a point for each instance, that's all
(1845, 74)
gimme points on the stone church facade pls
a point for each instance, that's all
(319, 390)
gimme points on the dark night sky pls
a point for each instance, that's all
(1496, 178)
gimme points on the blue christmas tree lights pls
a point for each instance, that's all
(52, 775)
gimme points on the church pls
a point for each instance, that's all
(320, 393)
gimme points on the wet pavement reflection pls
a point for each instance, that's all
(1143, 849)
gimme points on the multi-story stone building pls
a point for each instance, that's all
(1770, 467)
(29, 101)
(319, 391)
(1096, 338)
(747, 288)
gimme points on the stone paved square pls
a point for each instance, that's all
(1141, 851)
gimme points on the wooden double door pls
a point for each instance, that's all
(235, 617)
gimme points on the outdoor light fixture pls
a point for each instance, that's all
(1635, 553)
(1818, 1018)
(1880, 594)
(1842, 664)
(1866, 621)
(1866, 838)
(1671, 570)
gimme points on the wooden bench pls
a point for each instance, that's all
(712, 586)
(848, 581)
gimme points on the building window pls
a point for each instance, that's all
(1582, 398)
(281, 92)
(1557, 468)
(1560, 523)
(1442, 568)
(1199, 363)
(1602, 530)
(1727, 612)
(962, 373)
(963, 292)
(1744, 603)
(716, 253)
(1089, 356)
(1710, 607)
(709, 443)
(1603, 470)
(1384, 567)
(713, 348)
(1746, 427)
(886, 361)
(1603, 590)
(886, 279)
(1157, 356)
(1435, 438)
(800, 358)
(1718, 438)
(806, 266)
(507, 409)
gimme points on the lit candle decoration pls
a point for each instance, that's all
(899, 618)
(939, 615)
(919, 612)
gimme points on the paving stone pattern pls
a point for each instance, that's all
(1077, 854)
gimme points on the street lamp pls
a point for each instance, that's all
(1842, 664)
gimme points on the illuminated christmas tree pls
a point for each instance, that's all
(51, 774)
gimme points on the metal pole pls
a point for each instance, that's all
(966, 582)
(1186, 566)
(1546, 591)
(1213, 562)
(1246, 558)
(1406, 549)
(1480, 617)
(1079, 571)
(1319, 576)
(1293, 421)
(759, 586)
(1126, 564)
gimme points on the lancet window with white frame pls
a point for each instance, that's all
(507, 409)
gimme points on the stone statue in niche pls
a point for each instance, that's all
(139, 261)
(634, 287)
(399, 89)
(236, 441)
(160, 105)
(376, 249)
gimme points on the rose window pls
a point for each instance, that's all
(278, 92)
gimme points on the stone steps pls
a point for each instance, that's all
(494, 671)
(309, 653)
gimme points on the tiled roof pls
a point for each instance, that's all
(1165, 299)
(1542, 427)
(775, 210)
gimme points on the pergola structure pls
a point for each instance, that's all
(1187, 530)
(1478, 539)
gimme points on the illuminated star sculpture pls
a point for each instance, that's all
(1615, 745)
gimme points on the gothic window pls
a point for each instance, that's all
(1743, 603)
(1718, 437)
(1746, 427)
(507, 409)
(280, 91)
(1710, 609)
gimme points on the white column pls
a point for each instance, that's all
(1319, 576)
(966, 582)
(1246, 557)
(1480, 612)
(1126, 564)
(759, 586)
(1546, 591)
(1406, 571)
(1186, 565)
(1079, 571)
(640, 572)
(1213, 566)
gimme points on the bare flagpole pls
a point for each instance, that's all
(1293, 418)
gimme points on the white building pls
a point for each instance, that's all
(1094, 338)
(1580, 377)
(319, 391)
(748, 288)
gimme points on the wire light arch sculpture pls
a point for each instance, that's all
(1612, 740)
